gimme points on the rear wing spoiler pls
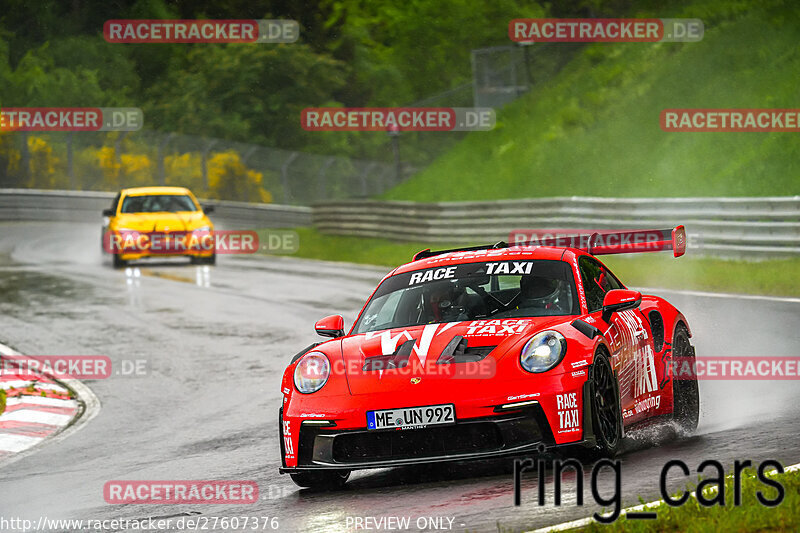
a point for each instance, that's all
(597, 243)
(621, 242)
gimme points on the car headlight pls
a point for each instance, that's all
(543, 352)
(204, 228)
(311, 372)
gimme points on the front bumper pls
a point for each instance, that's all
(165, 255)
(515, 433)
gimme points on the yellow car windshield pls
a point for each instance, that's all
(158, 203)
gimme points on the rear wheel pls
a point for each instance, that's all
(321, 480)
(686, 393)
(604, 398)
(119, 262)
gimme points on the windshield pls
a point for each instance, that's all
(499, 289)
(158, 203)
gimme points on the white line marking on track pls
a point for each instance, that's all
(649, 505)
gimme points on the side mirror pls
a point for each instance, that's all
(619, 300)
(208, 209)
(330, 326)
(108, 212)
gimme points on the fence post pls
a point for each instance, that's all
(321, 183)
(204, 162)
(25, 159)
(162, 146)
(285, 177)
(245, 158)
(118, 147)
(70, 168)
(363, 177)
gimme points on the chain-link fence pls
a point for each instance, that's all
(214, 168)
(228, 170)
(500, 74)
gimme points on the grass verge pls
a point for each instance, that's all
(750, 516)
(773, 277)
(2, 401)
(593, 130)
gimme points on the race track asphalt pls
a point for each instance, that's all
(215, 340)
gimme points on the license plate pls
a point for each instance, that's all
(412, 417)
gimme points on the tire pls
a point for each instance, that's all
(322, 480)
(119, 262)
(211, 260)
(686, 392)
(605, 405)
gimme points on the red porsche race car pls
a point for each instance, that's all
(488, 351)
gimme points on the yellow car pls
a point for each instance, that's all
(158, 222)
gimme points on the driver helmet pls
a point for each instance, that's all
(539, 288)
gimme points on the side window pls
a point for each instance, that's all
(597, 281)
(608, 281)
(592, 277)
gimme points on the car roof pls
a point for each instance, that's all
(154, 190)
(493, 254)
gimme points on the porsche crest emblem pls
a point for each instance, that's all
(414, 381)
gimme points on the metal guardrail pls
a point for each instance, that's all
(86, 206)
(756, 227)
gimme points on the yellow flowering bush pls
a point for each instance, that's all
(229, 178)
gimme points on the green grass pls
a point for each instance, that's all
(751, 516)
(772, 277)
(2, 401)
(594, 128)
(381, 252)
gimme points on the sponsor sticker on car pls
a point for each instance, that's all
(411, 417)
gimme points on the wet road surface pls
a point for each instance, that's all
(214, 342)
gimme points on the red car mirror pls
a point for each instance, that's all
(330, 326)
(617, 300)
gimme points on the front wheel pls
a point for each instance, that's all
(321, 480)
(685, 391)
(210, 260)
(604, 398)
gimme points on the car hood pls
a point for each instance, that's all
(365, 356)
(147, 222)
